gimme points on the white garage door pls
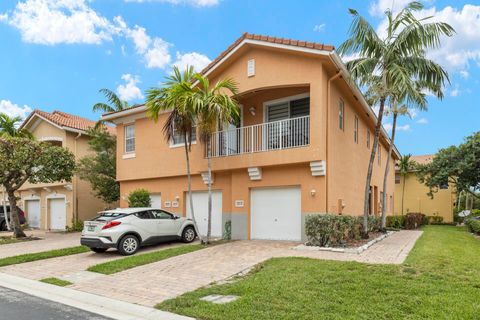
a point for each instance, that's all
(156, 201)
(58, 214)
(276, 214)
(200, 207)
(33, 213)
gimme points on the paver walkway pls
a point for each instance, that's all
(50, 241)
(150, 284)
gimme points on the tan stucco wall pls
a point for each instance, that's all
(417, 200)
(80, 200)
(161, 169)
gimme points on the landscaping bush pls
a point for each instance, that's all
(473, 226)
(330, 230)
(434, 220)
(475, 212)
(396, 222)
(139, 198)
(414, 220)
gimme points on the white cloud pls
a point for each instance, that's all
(196, 60)
(378, 8)
(405, 127)
(457, 52)
(422, 121)
(158, 56)
(195, 3)
(388, 127)
(129, 91)
(319, 27)
(413, 113)
(14, 110)
(464, 74)
(455, 92)
(59, 21)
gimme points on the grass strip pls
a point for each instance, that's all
(29, 257)
(119, 265)
(57, 282)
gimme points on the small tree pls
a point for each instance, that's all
(100, 169)
(456, 165)
(139, 198)
(405, 165)
(22, 160)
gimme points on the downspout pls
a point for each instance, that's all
(336, 76)
(74, 182)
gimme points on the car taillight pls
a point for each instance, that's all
(111, 224)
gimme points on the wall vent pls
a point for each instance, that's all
(255, 173)
(318, 168)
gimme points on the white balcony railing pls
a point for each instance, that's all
(277, 135)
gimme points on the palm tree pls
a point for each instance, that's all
(9, 126)
(397, 59)
(214, 106)
(114, 104)
(175, 96)
(405, 164)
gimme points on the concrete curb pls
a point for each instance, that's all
(107, 307)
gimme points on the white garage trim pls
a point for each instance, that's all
(156, 200)
(200, 203)
(26, 202)
(275, 213)
(55, 196)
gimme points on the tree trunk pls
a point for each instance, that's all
(209, 159)
(7, 218)
(370, 167)
(17, 230)
(387, 170)
(189, 180)
(403, 190)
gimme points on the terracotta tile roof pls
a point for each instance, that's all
(67, 120)
(285, 41)
(423, 159)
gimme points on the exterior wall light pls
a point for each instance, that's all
(252, 110)
(313, 192)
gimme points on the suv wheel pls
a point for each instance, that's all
(99, 250)
(188, 234)
(128, 245)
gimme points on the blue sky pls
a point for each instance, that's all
(57, 54)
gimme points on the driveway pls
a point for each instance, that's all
(50, 241)
(150, 284)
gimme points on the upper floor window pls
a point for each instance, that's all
(341, 114)
(355, 130)
(397, 178)
(379, 154)
(368, 139)
(179, 138)
(130, 138)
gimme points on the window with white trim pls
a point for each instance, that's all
(179, 138)
(341, 114)
(130, 138)
(368, 138)
(379, 154)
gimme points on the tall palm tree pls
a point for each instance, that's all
(9, 126)
(114, 104)
(405, 164)
(214, 107)
(175, 96)
(397, 59)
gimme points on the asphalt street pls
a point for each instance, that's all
(21, 306)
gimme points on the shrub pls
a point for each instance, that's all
(475, 212)
(434, 220)
(328, 230)
(77, 226)
(396, 222)
(139, 198)
(414, 220)
(473, 226)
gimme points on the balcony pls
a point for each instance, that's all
(269, 136)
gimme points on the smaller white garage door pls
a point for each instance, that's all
(58, 214)
(156, 201)
(276, 214)
(200, 207)
(33, 213)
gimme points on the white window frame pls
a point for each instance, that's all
(125, 151)
(341, 113)
(181, 144)
(289, 99)
(368, 138)
(355, 129)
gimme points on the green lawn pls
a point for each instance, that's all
(142, 259)
(42, 255)
(440, 280)
(57, 282)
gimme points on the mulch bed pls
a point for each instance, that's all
(352, 243)
(8, 240)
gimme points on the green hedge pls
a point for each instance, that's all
(396, 222)
(329, 230)
(473, 226)
(139, 198)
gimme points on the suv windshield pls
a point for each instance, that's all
(107, 216)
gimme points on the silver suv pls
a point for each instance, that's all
(129, 229)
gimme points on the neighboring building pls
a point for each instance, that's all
(54, 206)
(290, 155)
(416, 198)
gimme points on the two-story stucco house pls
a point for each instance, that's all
(54, 206)
(302, 145)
